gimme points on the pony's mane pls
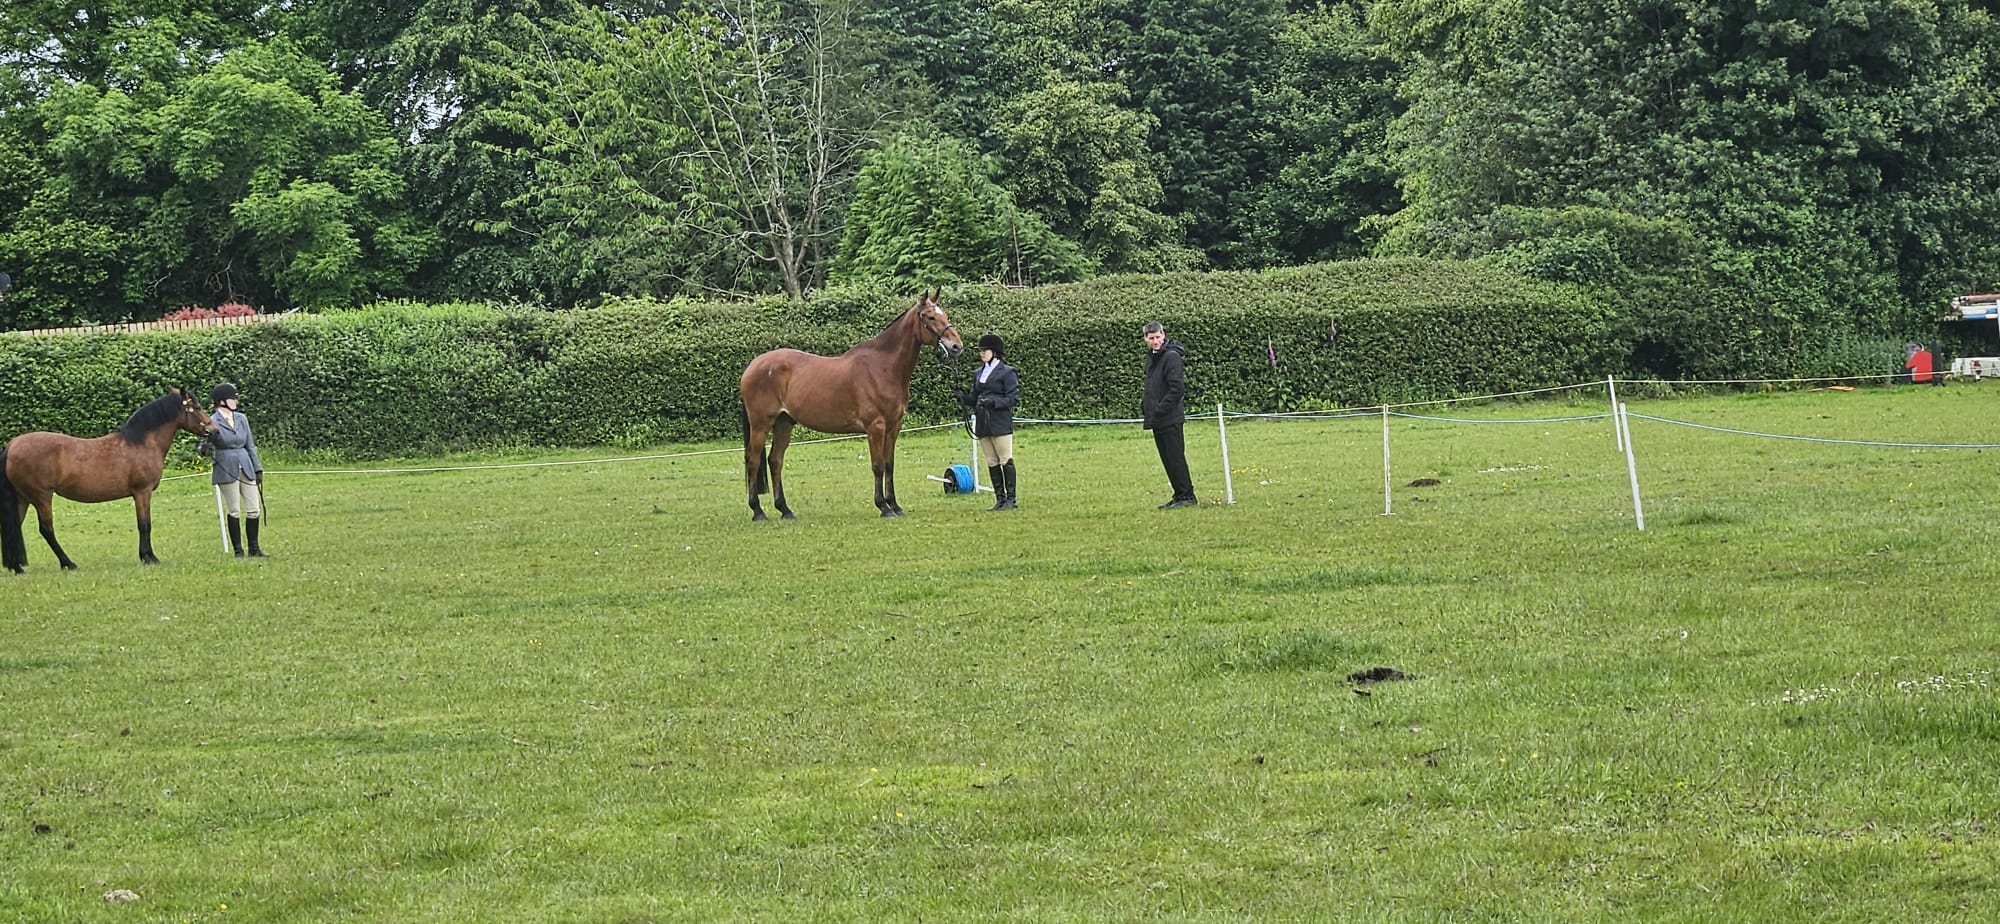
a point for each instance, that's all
(162, 410)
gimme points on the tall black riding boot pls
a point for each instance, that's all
(1007, 479)
(250, 527)
(996, 478)
(236, 535)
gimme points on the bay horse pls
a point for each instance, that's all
(864, 390)
(34, 467)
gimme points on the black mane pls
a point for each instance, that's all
(163, 410)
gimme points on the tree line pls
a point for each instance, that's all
(1744, 175)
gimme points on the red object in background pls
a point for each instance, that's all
(197, 313)
(1919, 366)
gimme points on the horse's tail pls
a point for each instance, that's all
(13, 548)
(760, 482)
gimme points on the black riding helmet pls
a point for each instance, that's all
(994, 343)
(221, 393)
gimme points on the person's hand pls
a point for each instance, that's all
(963, 396)
(203, 448)
(260, 476)
(988, 401)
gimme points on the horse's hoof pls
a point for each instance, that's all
(69, 566)
(758, 517)
(148, 560)
(790, 515)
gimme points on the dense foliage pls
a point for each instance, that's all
(400, 379)
(1761, 178)
(1755, 184)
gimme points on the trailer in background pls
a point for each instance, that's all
(1974, 309)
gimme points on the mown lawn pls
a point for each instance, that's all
(599, 693)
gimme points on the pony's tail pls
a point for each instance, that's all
(13, 548)
(760, 483)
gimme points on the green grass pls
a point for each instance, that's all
(598, 693)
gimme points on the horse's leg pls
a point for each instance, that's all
(781, 437)
(142, 503)
(45, 514)
(889, 468)
(754, 465)
(879, 442)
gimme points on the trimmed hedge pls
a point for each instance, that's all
(412, 379)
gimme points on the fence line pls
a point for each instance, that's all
(1815, 439)
(1386, 410)
(146, 327)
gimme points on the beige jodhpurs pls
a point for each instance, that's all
(998, 450)
(242, 499)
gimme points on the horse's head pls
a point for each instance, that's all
(193, 419)
(934, 327)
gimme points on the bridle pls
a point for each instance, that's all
(937, 333)
(190, 409)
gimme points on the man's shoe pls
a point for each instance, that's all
(1182, 502)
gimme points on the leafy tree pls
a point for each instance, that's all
(1077, 159)
(422, 64)
(59, 262)
(925, 211)
(257, 181)
(949, 48)
(724, 142)
(1029, 83)
(141, 47)
(1329, 110)
(1810, 147)
(66, 258)
(1463, 38)
(1194, 65)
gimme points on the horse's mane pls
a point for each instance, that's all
(162, 410)
(882, 340)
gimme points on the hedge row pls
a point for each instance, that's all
(410, 379)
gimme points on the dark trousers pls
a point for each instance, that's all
(1172, 445)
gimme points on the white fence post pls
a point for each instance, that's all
(1386, 495)
(1228, 483)
(1617, 429)
(1631, 466)
(222, 521)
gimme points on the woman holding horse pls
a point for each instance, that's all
(237, 471)
(38, 466)
(995, 391)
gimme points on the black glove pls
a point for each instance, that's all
(260, 477)
(963, 396)
(203, 449)
(988, 401)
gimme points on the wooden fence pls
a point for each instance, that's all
(150, 326)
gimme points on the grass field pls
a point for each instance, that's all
(599, 693)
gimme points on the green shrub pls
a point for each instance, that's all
(408, 379)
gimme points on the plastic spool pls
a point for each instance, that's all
(958, 480)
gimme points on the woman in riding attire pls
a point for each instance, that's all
(996, 389)
(237, 469)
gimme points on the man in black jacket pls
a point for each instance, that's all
(1165, 413)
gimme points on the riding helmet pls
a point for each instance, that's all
(221, 393)
(994, 343)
